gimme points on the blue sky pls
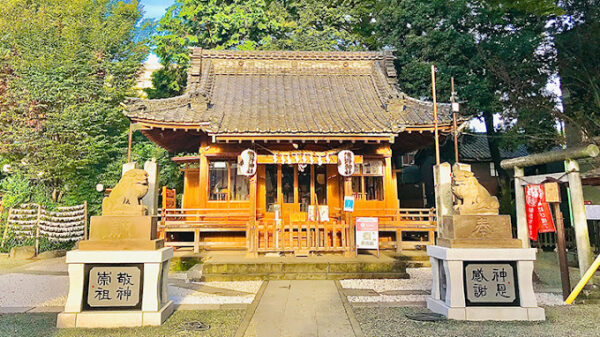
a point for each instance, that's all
(155, 9)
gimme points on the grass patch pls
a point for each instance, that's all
(580, 320)
(183, 263)
(222, 323)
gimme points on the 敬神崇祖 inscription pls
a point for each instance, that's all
(114, 286)
(490, 283)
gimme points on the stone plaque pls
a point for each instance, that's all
(491, 283)
(114, 286)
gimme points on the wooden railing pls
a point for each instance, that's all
(301, 237)
(413, 227)
(203, 220)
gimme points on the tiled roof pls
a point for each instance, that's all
(275, 92)
(476, 148)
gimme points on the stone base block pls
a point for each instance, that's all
(478, 284)
(146, 273)
(114, 319)
(122, 227)
(486, 313)
(122, 244)
(479, 243)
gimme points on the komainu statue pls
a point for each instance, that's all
(124, 199)
(472, 198)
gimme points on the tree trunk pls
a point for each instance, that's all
(504, 178)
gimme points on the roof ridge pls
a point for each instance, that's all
(289, 54)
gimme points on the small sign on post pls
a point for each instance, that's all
(367, 233)
(348, 203)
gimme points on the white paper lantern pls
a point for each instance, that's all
(247, 163)
(346, 163)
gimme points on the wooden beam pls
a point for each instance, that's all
(572, 153)
(538, 179)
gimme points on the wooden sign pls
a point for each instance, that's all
(490, 284)
(111, 286)
(552, 192)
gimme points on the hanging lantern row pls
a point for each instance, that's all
(301, 158)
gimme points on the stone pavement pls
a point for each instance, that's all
(301, 308)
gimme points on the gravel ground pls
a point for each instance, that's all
(578, 320)
(30, 290)
(186, 296)
(420, 279)
(245, 286)
(26, 290)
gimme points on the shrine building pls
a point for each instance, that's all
(278, 140)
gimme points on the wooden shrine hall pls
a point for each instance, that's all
(277, 140)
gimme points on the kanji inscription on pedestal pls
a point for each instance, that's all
(114, 286)
(490, 283)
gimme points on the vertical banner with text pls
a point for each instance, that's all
(539, 217)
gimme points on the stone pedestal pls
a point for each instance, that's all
(122, 232)
(477, 231)
(479, 284)
(117, 288)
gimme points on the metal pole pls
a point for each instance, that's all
(435, 119)
(562, 251)
(454, 122)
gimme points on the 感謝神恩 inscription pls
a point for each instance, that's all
(114, 286)
(490, 283)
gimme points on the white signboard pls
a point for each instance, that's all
(367, 233)
(592, 212)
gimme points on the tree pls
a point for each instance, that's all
(255, 24)
(577, 33)
(498, 56)
(66, 67)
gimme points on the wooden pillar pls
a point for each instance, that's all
(348, 218)
(203, 179)
(582, 238)
(251, 237)
(522, 230)
(391, 190)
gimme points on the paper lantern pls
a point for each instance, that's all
(247, 163)
(346, 163)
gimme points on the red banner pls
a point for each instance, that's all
(539, 217)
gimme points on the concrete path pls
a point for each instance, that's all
(300, 308)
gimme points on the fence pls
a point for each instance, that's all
(66, 224)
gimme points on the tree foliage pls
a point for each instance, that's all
(255, 24)
(577, 36)
(65, 66)
(498, 55)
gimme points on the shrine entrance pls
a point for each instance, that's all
(296, 192)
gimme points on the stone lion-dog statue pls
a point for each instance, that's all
(124, 199)
(472, 197)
